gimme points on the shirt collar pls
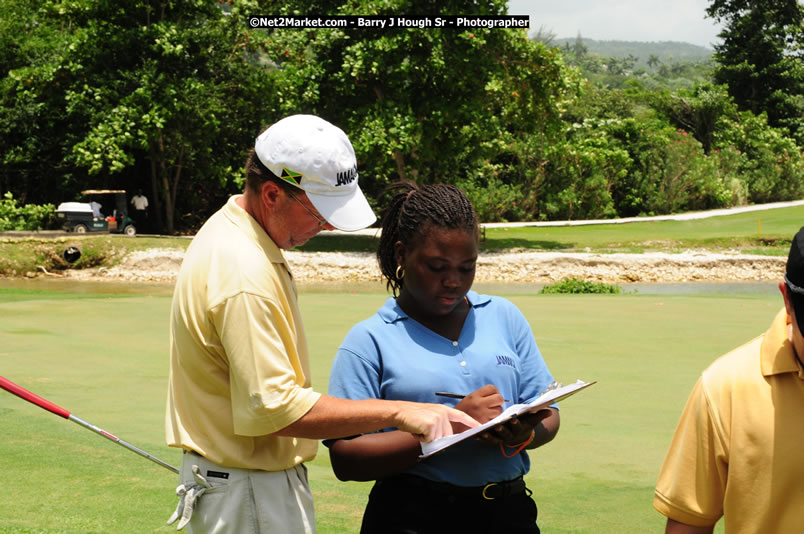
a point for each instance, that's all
(776, 352)
(391, 312)
(249, 226)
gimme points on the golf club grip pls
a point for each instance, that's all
(33, 398)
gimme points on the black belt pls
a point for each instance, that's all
(491, 491)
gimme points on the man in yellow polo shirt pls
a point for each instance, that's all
(738, 451)
(240, 401)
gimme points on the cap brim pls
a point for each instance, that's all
(344, 212)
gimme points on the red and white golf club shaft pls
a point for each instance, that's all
(33, 398)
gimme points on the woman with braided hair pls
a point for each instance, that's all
(436, 335)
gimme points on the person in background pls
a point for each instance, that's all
(96, 209)
(738, 451)
(436, 335)
(240, 402)
(140, 203)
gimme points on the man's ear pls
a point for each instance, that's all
(788, 306)
(269, 194)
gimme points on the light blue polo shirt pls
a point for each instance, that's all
(391, 356)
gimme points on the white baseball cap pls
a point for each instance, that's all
(317, 157)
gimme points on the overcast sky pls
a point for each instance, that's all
(622, 20)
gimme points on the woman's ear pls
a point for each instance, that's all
(399, 253)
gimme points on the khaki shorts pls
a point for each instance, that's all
(243, 501)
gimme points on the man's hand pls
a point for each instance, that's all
(674, 527)
(430, 421)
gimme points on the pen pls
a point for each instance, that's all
(455, 395)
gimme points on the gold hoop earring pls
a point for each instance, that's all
(400, 272)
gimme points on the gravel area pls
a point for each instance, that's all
(162, 265)
(516, 266)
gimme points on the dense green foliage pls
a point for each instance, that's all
(153, 95)
(168, 97)
(477, 108)
(671, 150)
(13, 216)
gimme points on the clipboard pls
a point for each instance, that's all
(551, 396)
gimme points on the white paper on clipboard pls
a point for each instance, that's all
(545, 399)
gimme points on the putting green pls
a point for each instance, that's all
(104, 357)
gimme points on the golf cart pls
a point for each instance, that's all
(106, 211)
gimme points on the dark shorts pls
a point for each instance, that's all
(407, 504)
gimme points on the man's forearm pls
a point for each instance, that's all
(332, 417)
(674, 527)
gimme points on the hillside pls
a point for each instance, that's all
(665, 51)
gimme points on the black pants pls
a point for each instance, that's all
(141, 220)
(410, 505)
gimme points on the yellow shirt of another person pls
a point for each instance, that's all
(239, 367)
(738, 451)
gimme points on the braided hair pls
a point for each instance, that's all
(412, 210)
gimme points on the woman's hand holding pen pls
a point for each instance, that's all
(528, 431)
(483, 405)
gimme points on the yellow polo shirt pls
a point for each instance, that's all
(239, 367)
(738, 451)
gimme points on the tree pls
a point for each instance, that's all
(32, 105)
(761, 58)
(697, 110)
(543, 35)
(579, 49)
(166, 89)
(433, 105)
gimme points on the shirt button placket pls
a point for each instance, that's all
(463, 363)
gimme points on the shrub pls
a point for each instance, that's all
(669, 173)
(581, 173)
(728, 163)
(507, 186)
(772, 166)
(28, 217)
(577, 285)
(494, 201)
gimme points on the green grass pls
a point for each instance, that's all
(104, 357)
(760, 231)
